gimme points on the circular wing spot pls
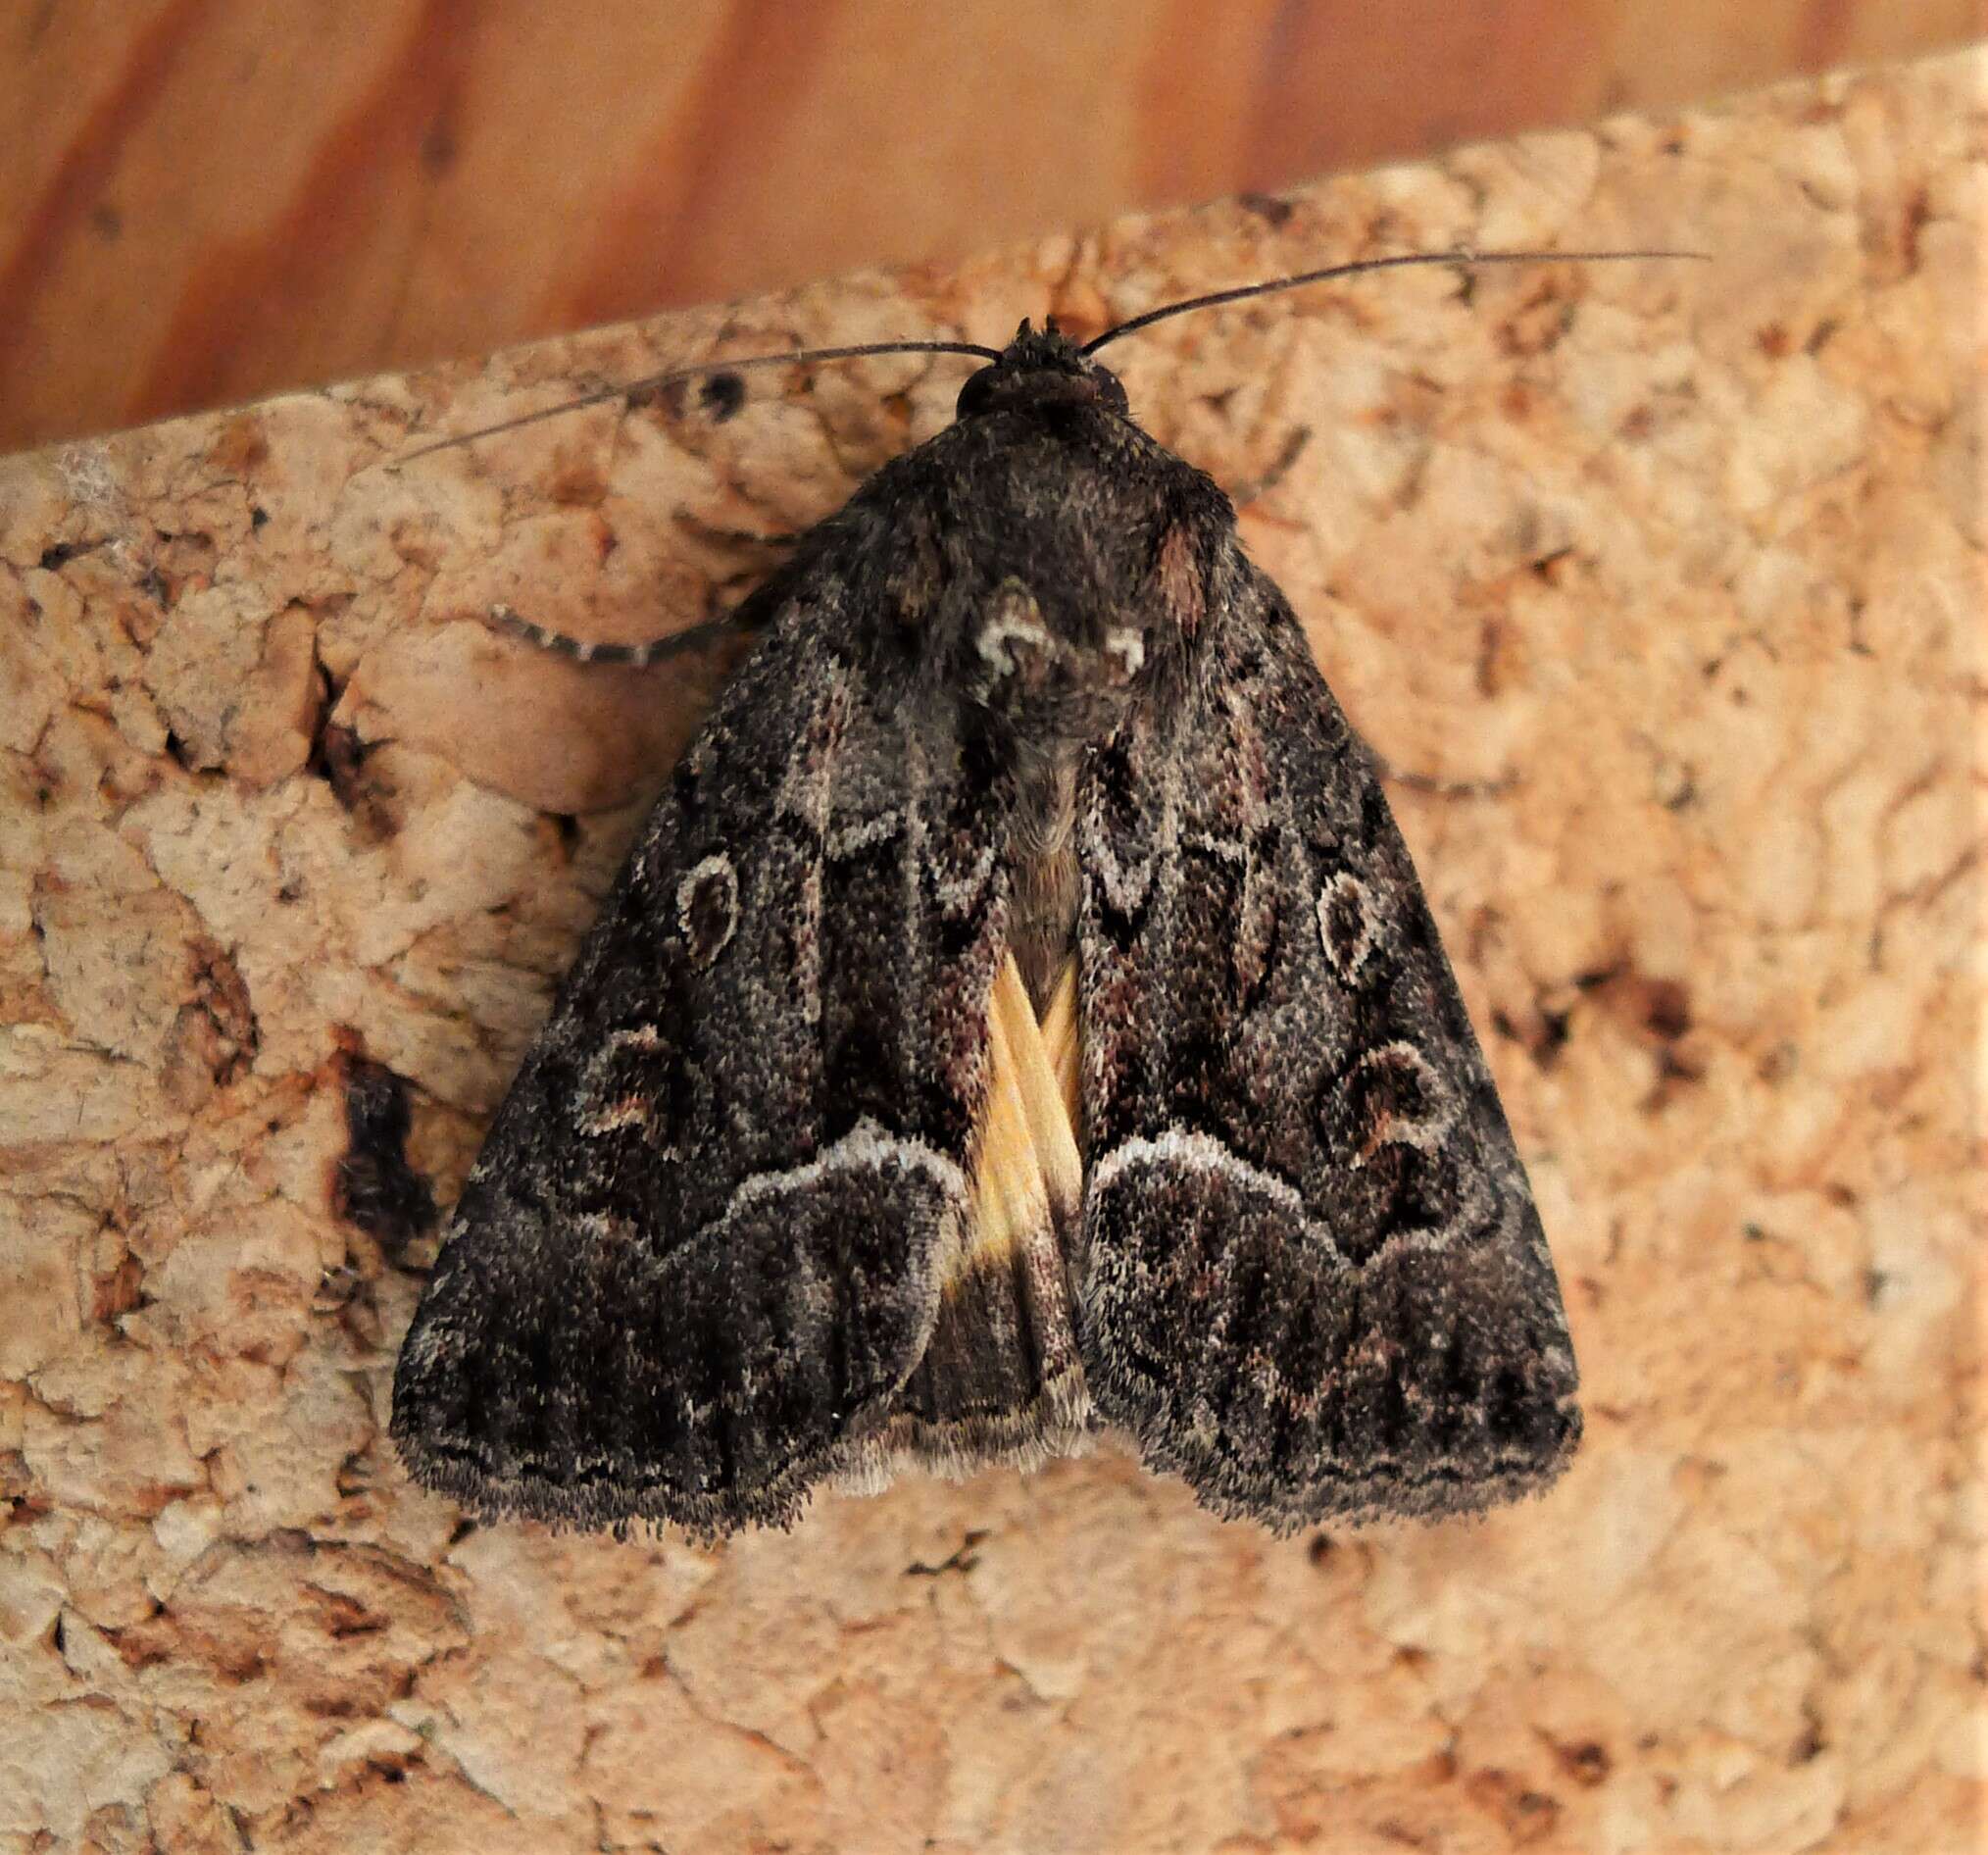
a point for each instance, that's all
(1394, 1097)
(1349, 923)
(707, 908)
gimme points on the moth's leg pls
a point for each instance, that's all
(589, 651)
(1246, 493)
(1439, 787)
(776, 541)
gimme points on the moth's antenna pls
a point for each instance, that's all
(1399, 261)
(703, 369)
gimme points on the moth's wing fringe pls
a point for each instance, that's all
(1062, 1425)
(495, 1497)
(1403, 1489)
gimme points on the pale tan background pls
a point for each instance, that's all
(203, 200)
(1681, 566)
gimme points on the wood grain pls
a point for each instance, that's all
(211, 199)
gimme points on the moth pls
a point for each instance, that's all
(1019, 1015)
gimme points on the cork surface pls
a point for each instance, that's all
(1660, 586)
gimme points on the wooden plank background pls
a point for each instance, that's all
(205, 200)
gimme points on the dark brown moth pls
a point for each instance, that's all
(1019, 1015)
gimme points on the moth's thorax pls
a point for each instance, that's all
(1056, 638)
(1050, 562)
(1060, 511)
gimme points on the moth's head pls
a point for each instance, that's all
(1040, 368)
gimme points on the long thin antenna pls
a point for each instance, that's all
(1358, 266)
(703, 369)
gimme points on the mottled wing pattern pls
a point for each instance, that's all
(704, 1243)
(1311, 1278)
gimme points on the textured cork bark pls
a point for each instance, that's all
(1659, 586)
